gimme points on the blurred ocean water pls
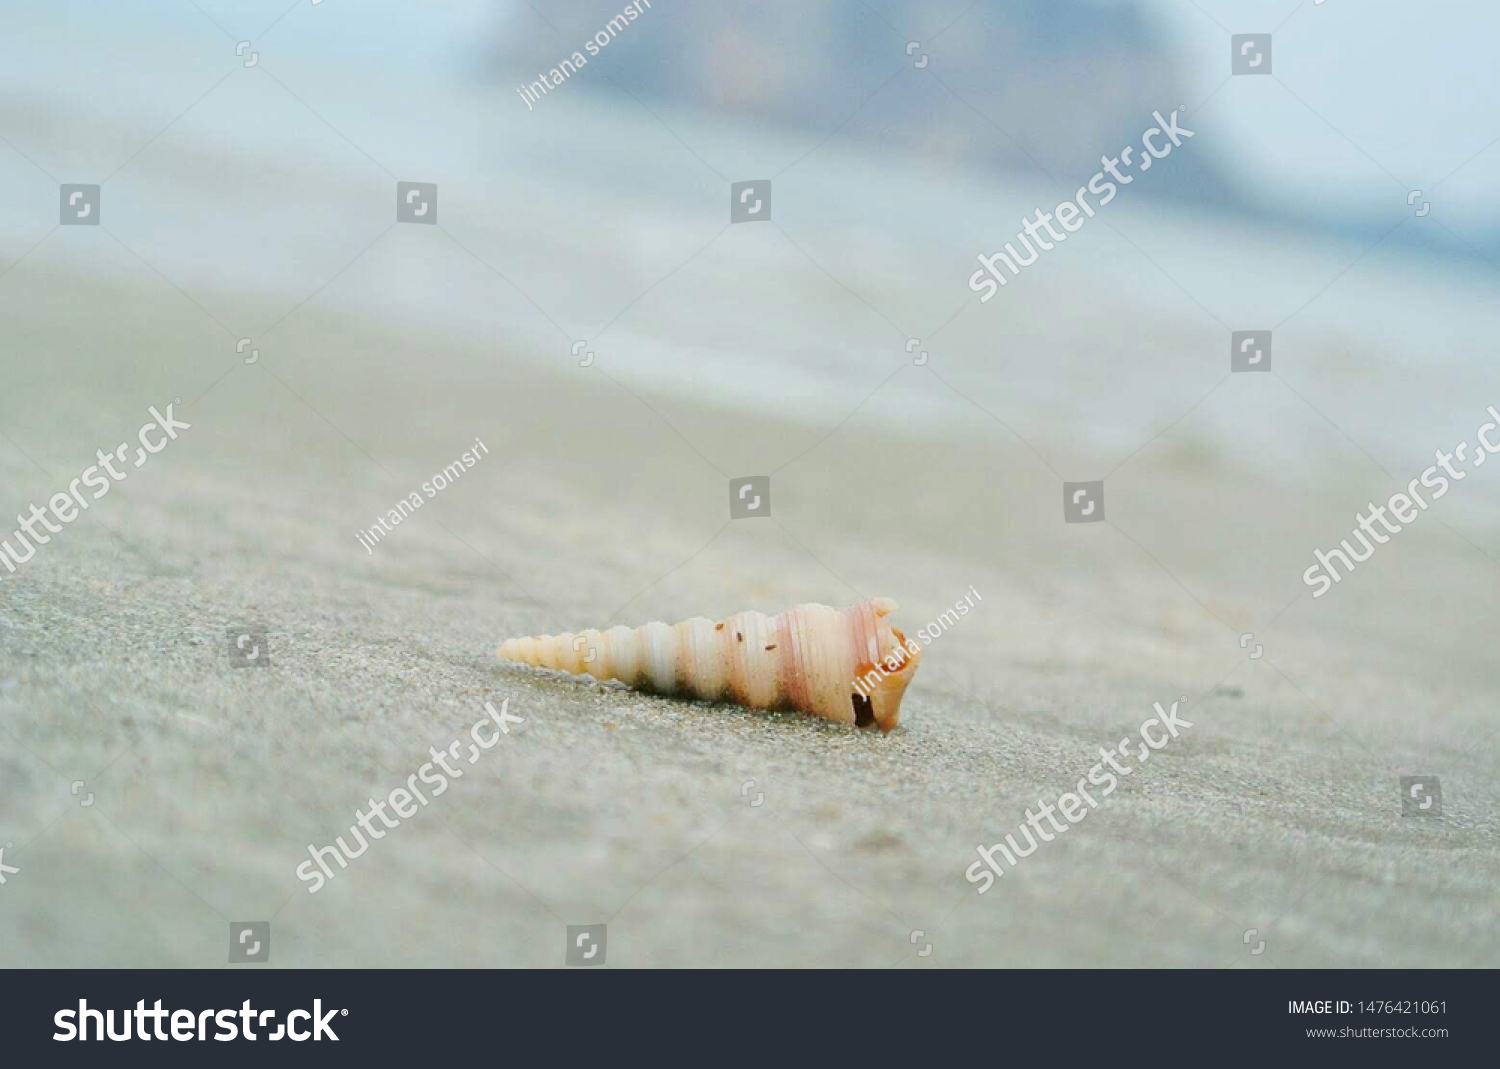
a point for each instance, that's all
(602, 216)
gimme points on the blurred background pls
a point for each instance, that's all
(592, 199)
(248, 153)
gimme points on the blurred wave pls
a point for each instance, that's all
(257, 190)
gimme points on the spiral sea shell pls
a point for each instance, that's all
(848, 665)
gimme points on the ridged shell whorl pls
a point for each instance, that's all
(808, 658)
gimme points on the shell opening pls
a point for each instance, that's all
(864, 710)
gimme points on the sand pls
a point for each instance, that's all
(1279, 810)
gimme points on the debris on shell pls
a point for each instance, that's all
(847, 665)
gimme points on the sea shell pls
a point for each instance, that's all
(848, 665)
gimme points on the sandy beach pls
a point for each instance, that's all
(1278, 811)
